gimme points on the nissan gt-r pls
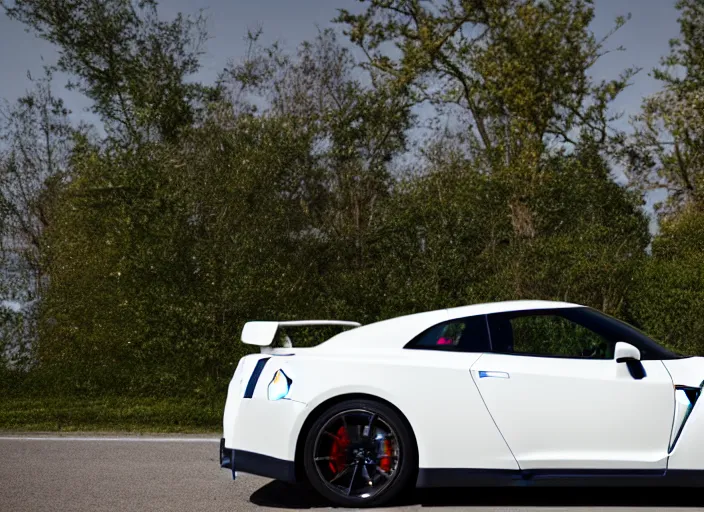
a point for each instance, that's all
(520, 393)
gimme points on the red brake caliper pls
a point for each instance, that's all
(338, 451)
(385, 462)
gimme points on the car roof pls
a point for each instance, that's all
(511, 305)
(396, 332)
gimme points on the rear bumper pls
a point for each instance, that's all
(256, 464)
(226, 460)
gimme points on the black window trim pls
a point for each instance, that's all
(643, 344)
(488, 333)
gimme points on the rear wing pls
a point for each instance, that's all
(263, 334)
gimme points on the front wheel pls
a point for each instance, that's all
(360, 453)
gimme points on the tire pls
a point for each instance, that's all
(383, 454)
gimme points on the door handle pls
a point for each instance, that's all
(497, 375)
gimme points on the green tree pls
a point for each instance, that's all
(357, 131)
(132, 65)
(448, 241)
(518, 70)
(666, 150)
(37, 140)
(285, 190)
(668, 295)
(158, 254)
(516, 73)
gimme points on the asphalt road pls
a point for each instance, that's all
(154, 474)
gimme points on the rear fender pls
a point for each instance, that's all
(434, 392)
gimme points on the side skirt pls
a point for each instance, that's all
(459, 477)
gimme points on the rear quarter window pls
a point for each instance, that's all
(459, 335)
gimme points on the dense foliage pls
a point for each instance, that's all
(307, 184)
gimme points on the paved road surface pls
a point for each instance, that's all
(155, 474)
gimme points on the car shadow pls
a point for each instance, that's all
(287, 496)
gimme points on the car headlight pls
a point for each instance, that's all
(279, 386)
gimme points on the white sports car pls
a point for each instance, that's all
(511, 393)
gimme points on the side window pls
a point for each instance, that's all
(546, 334)
(461, 335)
(443, 335)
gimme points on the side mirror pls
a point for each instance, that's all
(625, 352)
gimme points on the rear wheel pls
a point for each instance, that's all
(360, 453)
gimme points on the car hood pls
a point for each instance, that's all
(688, 371)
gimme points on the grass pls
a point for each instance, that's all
(70, 414)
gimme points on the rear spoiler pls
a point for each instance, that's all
(264, 333)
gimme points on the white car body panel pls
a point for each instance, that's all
(688, 453)
(587, 409)
(686, 372)
(259, 425)
(526, 414)
(425, 402)
(444, 400)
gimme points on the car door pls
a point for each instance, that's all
(561, 401)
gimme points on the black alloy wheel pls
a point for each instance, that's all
(360, 453)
